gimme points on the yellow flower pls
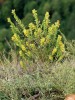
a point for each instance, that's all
(50, 58)
(51, 29)
(60, 43)
(62, 47)
(21, 63)
(8, 19)
(14, 37)
(32, 46)
(42, 41)
(20, 52)
(47, 39)
(34, 11)
(57, 24)
(35, 33)
(23, 48)
(26, 32)
(32, 26)
(13, 11)
(47, 15)
(29, 53)
(54, 51)
(27, 44)
(47, 18)
(59, 37)
(39, 30)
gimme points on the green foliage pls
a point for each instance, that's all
(27, 19)
(1, 47)
(29, 6)
(46, 7)
(55, 17)
(6, 10)
(17, 4)
(5, 35)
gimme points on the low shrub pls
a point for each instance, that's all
(39, 41)
(62, 77)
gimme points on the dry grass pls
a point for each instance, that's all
(50, 80)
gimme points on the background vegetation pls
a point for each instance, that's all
(58, 9)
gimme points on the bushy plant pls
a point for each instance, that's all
(40, 40)
(63, 77)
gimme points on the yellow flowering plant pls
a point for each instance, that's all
(40, 40)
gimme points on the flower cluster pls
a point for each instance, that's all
(15, 37)
(54, 51)
(38, 40)
(42, 41)
(26, 32)
(60, 43)
(32, 26)
(23, 48)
